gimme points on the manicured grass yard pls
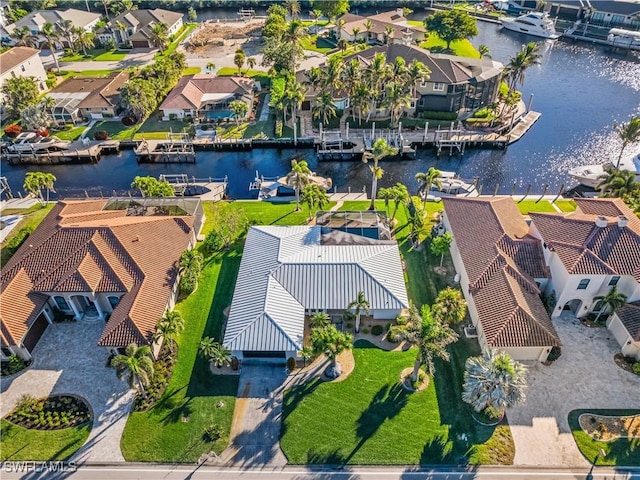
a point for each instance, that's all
(160, 434)
(527, 206)
(33, 217)
(566, 205)
(621, 452)
(462, 48)
(316, 44)
(153, 128)
(96, 54)
(115, 128)
(71, 134)
(258, 75)
(40, 445)
(368, 419)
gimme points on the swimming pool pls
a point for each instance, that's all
(218, 114)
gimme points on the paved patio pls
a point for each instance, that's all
(67, 360)
(585, 376)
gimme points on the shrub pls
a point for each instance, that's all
(188, 283)
(402, 320)
(349, 326)
(636, 368)
(213, 432)
(483, 113)
(376, 330)
(291, 364)
(439, 115)
(129, 121)
(173, 116)
(101, 135)
(394, 333)
(278, 129)
(12, 131)
(365, 331)
(17, 240)
(492, 413)
(43, 132)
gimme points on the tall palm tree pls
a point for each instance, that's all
(617, 183)
(295, 33)
(417, 72)
(211, 67)
(377, 75)
(314, 197)
(355, 31)
(359, 305)
(400, 197)
(168, 328)
(388, 34)
(386, 194)
(493, 380)
(613, 299)
(361, 99)
(450, 306)
(380, 150)
(483, 50)
(251, 62)
(351, 74)
(293, 6)
(294, 95)
(629, 133)
(426, 180)
(343, 44)
(333, 74)
(84, 39)
(525, 58)
(24, 37)
(324, 108)
(214, 352)
(298, 177)
(52, 36)
(135, 365)
(367, 26)
(67, 31)
(159, 36)
(35, 182)
(315, 78)
(396, 99)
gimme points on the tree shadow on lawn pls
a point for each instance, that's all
(293, 396)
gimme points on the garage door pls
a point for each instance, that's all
(262, 354)
(35, 332)
(140, 44)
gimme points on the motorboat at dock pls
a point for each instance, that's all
(279, 188)
(30, 142)
(592, 175)
(537, 24)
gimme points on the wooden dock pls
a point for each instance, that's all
(77, 152)
(208, 189)
(176, 148)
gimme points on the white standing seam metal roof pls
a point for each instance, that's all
(285, 270)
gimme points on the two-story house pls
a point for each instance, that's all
(134, 27)
(22, 62)
(386, 27)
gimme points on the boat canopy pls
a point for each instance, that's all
(620, 32)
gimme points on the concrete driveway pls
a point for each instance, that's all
(68, 360)
(585, 376)
(255, 431)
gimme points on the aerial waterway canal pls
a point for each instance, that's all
(580, 89)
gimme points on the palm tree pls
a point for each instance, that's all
(387, 195)
(159, 36)
(314, 196)
(122, 28)
(294, 35)
(400, 197)
(168, 328)
(24, 37)
(397, 98)
(85, 39)
(331, 342)
(298, 178)
(493, 380)
(355, 31)
(51, 34)
(613, 299)
(483, 50)
(135, 365)
(293, 6)
(629, 133)
(525, 58)
(426, 180)
(417, 72)
(367, 26)
(388, 34)
(239, 110)
(67, 31)
(618, 183)
(319, 320)
(315, 77)
(359, 305)
(333, 73)
(214, 352)
(294, 95)
(211, 67)
(361, 100)
(380, 150)
(35, 182)
(251, 62)
(450, 306)
(440, 245)
(343, 44)
(324, 108)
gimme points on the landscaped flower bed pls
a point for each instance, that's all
(162, 370)
(607, 428)
(50, 413)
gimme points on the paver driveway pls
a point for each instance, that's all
(585, 376)
(68, 360)
(255, 431)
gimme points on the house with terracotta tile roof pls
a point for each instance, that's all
(502, 275)
(110, 260)
(588, 252)
(207, 97)
(354, 28)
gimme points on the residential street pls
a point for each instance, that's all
(149, 472)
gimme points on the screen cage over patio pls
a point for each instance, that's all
(366, 223)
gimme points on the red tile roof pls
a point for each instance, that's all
(81, 248)
(629, 315)
(502, 261)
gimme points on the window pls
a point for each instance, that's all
(614, 281)
(438, 87)
(598, 306)
(113, 301)
(423, 83)
(62, 303)
(412, 104)
(584, 283)
(22, 68)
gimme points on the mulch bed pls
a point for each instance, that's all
(407, 383)
(625, 363)
(50, 413)
(162, 371)
(606, 428)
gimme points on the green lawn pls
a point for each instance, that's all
(621, 452)
(191, 71)
(159, 434)
(183, 33)
(96, 54)
(115, 128)
(374, 422)
(33, 217)
(527, 206)
(462, 48)
(152, 129)
(40, 445)
(258, 75)
(86, 73)
(71, 134)
(566, 205)
(313, 43)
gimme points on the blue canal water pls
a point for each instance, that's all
(581, 91)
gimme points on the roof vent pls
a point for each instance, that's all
(601, 222)
(622, 221)
(136, 238)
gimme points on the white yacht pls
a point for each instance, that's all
(273, 188)
(591, 175)
(454, 186)
(30, 142)
(537, 24)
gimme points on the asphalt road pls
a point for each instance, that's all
(150, 472)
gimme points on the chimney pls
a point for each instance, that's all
(622, 221)
(601, 222)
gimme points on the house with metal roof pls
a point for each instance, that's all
(109, 260)
(287, 273)
(134, 27)
(502, 274)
